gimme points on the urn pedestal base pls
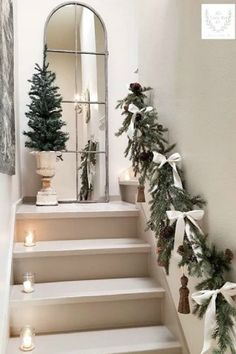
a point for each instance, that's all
(46, 168)
(48, 198)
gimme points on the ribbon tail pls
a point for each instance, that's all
(130, 131)
(196, 250)
(179, 233)
(195, 224)
(133, 109)
(210, 323)
(177, 179)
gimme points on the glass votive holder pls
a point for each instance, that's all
(27, 336)
(28, 283)
(30, 239)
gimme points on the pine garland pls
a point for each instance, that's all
(45, 112)
(202, 260)
(88, 160)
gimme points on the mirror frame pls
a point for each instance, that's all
(106, 55)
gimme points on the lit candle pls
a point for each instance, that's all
(27, 339)
(127, 176)
(30, 239)
(28, 283)
(28, 288)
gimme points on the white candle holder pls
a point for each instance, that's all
(28, 283)
(30, 239)
(27, 339)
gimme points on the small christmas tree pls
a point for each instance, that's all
(45, 112)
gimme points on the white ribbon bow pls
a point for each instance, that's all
(161, 160)
(182, 226)
(200, 297)
(134, 110)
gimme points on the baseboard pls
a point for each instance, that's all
(4, 336)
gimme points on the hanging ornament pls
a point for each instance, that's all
(184, 307)
(141, 194)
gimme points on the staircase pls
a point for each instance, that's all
(93, 292)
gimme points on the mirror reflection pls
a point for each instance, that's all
(77, 53)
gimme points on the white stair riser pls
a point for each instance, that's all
(86, 316)
(51, 269)
(154, 351)
(142, 340)
(80, 228)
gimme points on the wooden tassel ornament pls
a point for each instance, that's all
(141, 195)
(184, 307)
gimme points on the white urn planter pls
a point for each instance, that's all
(46, 167)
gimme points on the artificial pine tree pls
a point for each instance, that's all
(45, 112)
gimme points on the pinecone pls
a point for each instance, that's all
(167, 232)
(126, 108)
(160, 127)
(138, 117)
(146, 156)
(229, 255)
(181, 250)
(136, 87)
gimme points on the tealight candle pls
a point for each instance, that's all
(27, 339)
(28, 283)
(127, 176)
(30, 239)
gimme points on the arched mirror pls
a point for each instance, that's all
(77, 52)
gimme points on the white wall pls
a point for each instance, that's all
(194, 91)
(122, 45)
(10, 192)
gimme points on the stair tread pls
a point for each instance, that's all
(75, 210)
(74, 247)
(87, 291)
(112, 341)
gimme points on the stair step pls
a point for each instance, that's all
(87, 291)
(77, 228)
(142, 340)
(82, 259)
(81, 247)
(88, 304)
(75, 210)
